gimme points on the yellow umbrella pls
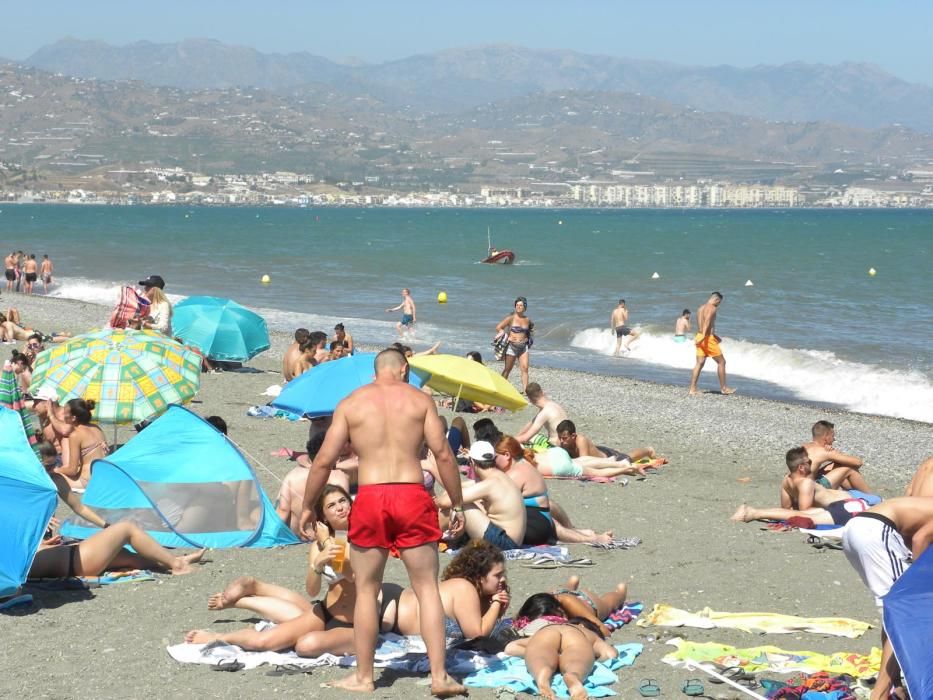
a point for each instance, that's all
(466, 379)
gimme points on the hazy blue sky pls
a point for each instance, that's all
(894, 34)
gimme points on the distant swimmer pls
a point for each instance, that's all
(707, 343)
(682, 327)
(618, 322)
(409, 313)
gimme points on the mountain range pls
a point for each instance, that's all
(857, 94)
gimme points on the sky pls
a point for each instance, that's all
(893, 34)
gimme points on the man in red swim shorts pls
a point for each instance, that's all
(387, 422)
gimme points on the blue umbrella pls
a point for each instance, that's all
(908, 620)
(220, 328)
(27, 500)
(318, 391)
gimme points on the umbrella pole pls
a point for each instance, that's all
(453, 406)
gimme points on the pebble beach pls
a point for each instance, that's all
(723, 451)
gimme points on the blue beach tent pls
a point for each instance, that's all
(27, 500)
(908, 620)
(187, 485)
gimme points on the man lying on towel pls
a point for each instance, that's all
(578, 445)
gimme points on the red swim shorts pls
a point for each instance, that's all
(387, 515)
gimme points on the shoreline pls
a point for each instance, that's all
(723, 451)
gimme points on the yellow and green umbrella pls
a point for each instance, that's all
(131, 375)
(466, 379)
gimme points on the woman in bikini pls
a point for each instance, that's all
(86, 443)
(520, 328)
(569, 601)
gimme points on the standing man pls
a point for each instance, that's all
(618, 322)
(682, 327)
(387, 422)
(30, 272)
(46, 272)
(409, 314)
(707, 343)
(9, 271)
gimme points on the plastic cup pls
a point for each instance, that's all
(340, 539)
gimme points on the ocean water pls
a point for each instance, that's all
(814, 326)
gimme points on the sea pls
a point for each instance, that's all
(802, 318)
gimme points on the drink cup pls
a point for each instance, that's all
(340, 539)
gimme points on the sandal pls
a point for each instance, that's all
(738, 675)
(694, 687)
(649, 688)
(229, 665)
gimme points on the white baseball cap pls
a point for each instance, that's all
(45, 393)
(482, 451)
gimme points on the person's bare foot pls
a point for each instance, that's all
(740, 515)
(575, 687)
(353, 683)
(238, 588)
(693, 392)
(183, 564)
(726, 391)
(201, 637)
(603, 538)
(446, 687)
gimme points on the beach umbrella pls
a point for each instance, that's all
(220, 328)
(318, 391)
(11, 397)
(466, 379)
(131, 375)
(27, 500)
(908, 620)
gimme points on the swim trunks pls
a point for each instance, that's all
(843, 511)
(497, 536)
(31, 277)
(876, 550)
(10, 274)
(824, 482)
(622, 331)
(407, 319)
(707, 347)
(562, 463)
(680, 339)
(615, 454)
(393, 515)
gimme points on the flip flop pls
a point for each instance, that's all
(578, 563)
(739, 675)
(649, 688)
(693, 687)
(16, 600)
(542, 563)
(288, 670)
(229, 665)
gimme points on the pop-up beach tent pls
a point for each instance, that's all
(908, 620)
(187, 485)
(27, 501)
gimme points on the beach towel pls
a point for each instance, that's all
(622, 616)
(108, 578)
(270, 412)
(511, 673)
(773, 659)
(816, 686)
(770, 623)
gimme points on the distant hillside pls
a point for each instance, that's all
(56, 122)
(455, 79)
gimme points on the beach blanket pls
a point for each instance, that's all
(773, 659)
(816, 686)
(270, 412)
(108, 578)
(510, 672)
(770, 623)
(622, 616)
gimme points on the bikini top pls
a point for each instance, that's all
(519, 329)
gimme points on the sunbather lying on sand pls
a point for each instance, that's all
(578, 445)
(570, 648)
(571, 601)
(105, 550)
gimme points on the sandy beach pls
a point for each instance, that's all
(723, 451)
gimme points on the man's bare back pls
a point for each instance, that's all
(909, 514)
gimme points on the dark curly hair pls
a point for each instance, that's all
(474, 562)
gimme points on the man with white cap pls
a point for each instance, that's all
(502, 518)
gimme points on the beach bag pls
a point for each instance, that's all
(499, 345)
(130, 305)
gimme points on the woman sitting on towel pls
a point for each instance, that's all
(86, 443)
(106, 550)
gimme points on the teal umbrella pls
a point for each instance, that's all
(220, 328)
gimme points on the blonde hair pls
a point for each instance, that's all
(157, 296)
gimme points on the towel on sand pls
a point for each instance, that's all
(773, 659)
(771, 623)
(510, 672)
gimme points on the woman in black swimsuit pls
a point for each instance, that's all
(520, 328)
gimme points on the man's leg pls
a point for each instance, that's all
(889, 671)
(618, 344)
(421, 564)
(631, 339)
(721, 371)
(696, 374)
(368, 567)
(746, 514)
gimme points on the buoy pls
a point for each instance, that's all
(442, 297)
(655, 276)
(872, 271)
(560, 223)
(265, 279)
(749, 283)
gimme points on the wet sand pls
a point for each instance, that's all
(723, 451)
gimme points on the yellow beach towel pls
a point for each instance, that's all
(771, 623)
(755, 659)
